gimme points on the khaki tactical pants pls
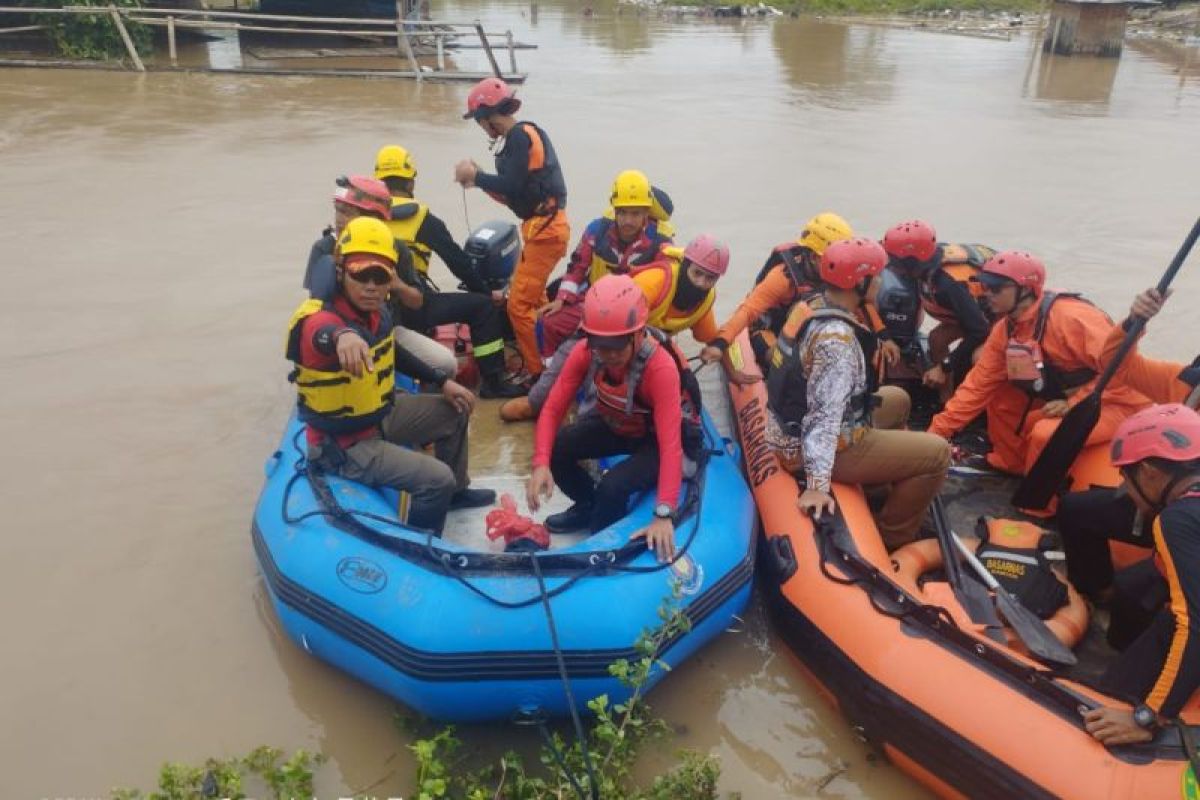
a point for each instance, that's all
(911, 463)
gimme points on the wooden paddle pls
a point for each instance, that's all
(1046, 476)
(971, 594)
(1028, 626)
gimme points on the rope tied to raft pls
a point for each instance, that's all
(566, 682)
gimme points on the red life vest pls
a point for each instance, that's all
(618, 403)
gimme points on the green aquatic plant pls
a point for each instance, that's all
(263, 768)
(93, 36)
(564, 769)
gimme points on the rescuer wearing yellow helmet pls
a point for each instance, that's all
(412, 223)
(345, 361)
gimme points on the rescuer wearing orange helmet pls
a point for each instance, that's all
(1042, 355)
(821, 393)
(530, 182)
(643, 409)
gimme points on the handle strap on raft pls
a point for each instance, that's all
(889, 598)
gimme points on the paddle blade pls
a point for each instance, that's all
(1046, 476)
(1030, 628)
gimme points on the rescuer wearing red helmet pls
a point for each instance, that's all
(1087, 520)
(680, 289)
(1042, 355)
(642, 409)
(1158, 453)
(947, 280)
(530, 182)
(821, 392)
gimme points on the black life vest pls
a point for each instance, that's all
(962, 263)
(1028, 368)
(1015, 553)
(544, 190)
(899, 304)
(787, 381)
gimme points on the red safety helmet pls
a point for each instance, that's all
(848, 263)
(1170, 432)
(916, 239)
(708, 254)
(614, 307)
(1019, 267)
(489, 96)
(369, 194)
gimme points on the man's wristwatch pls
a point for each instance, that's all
(440, 377)
(1144, 717)
(664, 511)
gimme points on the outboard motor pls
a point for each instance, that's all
(494, 248)
(899, 303)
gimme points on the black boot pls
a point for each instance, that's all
(575, 518)
(472, 498)
(494, 386)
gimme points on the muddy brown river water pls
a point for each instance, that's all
(154, 237)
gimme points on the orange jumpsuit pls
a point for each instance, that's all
(1158, 380)
(776, 290)
(1074, 339)
(529, 181)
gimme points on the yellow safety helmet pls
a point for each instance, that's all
(823, 230)
(393, 161)
(631, 189)
(367, 235)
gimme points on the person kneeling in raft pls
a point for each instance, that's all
(641, 409)
(820, 393)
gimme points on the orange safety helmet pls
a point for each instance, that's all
(369, 194)
(614, 307)
(915, 239)
(847, 263)
(1019, 267)
(491, 96)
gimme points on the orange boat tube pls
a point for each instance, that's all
(962, 714)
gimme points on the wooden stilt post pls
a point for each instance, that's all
(441, 52)
(133, 53)
(487, 48)
(405, 44)
(171, 41)
(512, 53)
(533, 10)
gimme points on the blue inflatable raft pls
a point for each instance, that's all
(465, 634)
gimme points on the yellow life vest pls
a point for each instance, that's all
(407, 217)
(660, 307)
(334, 401)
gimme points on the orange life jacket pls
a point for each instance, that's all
(961, 262)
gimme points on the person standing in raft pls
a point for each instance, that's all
(1158, 453)
(642, 409)
(947, 278)
(680, 289)
(1087, 520)
(820, 395)
(530, 182)
(424, 234)
(1041, 356)
(345, 362)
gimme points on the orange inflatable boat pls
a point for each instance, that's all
(965, 716)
